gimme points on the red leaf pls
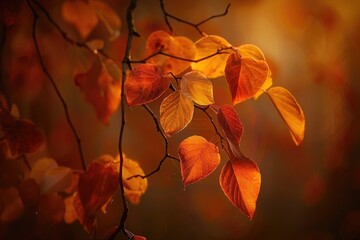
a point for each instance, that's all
(29, 192)
(22, 135)
(51, 209)
(231, 125)
(96, 186)
(245, 76)
(240, 181)
(198, 159)
(144, 84)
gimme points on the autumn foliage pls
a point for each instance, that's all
(178, 74)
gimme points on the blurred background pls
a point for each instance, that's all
(308, 192)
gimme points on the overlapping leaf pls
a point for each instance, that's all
(231, 126)
(240, 181)
(290, 111)
(198, 159)
(245, 76)
(144, 84)
(199, 88)
(101, 87)
(22, 135)
(136, 186)
(178, 46)
(209, 45)
(85, 16)
(176, 112)
(50, 177)
(96, 186)
(252, 51)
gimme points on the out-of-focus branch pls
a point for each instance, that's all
(53, 84)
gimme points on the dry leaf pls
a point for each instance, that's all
(199, 88)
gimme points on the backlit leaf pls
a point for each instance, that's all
(206, 46)
(101, 88)
(81, 15)
(240, 181)
(250, 50)
(96, 186)
(40, 167)
(198, 158)
(199, 88)
(245, 76)
(22, 135)
(178, 46)
(134, 187)
(290, 111)
(144, 84)
(176, 112)
(231, 126)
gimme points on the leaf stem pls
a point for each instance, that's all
(53, 84)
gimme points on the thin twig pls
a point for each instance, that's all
(160, 52)
(65, 35)
(57, 91)
(195, 25)
(126, 60)
(166, 142)
(222, 139)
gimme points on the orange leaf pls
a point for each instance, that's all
(290, 111)
(198, 87)
(22, 135)
(178, 46)
(101, 87)
(176, 112)
(245, 76)
(231, 126)
(134, 187)
(137, 237)
(250, 50)
(144, 84)
(240, 181)
(70, 215)
(198, 159)
(81, 15)
(206, 46)
(86, 220)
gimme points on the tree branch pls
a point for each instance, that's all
(52, 81)
(195, 25)
(160, 52)
(125, 62)
(166, 142)
(64, 34)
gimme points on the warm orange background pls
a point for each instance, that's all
(308, 192)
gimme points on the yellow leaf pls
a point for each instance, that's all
(176, 112)
(290, 111)
(199, 88)
(178, 46)
(136, 186)
(214, 66)
(95, 44)
(252, 51)
(198, 159)
(55, 180)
